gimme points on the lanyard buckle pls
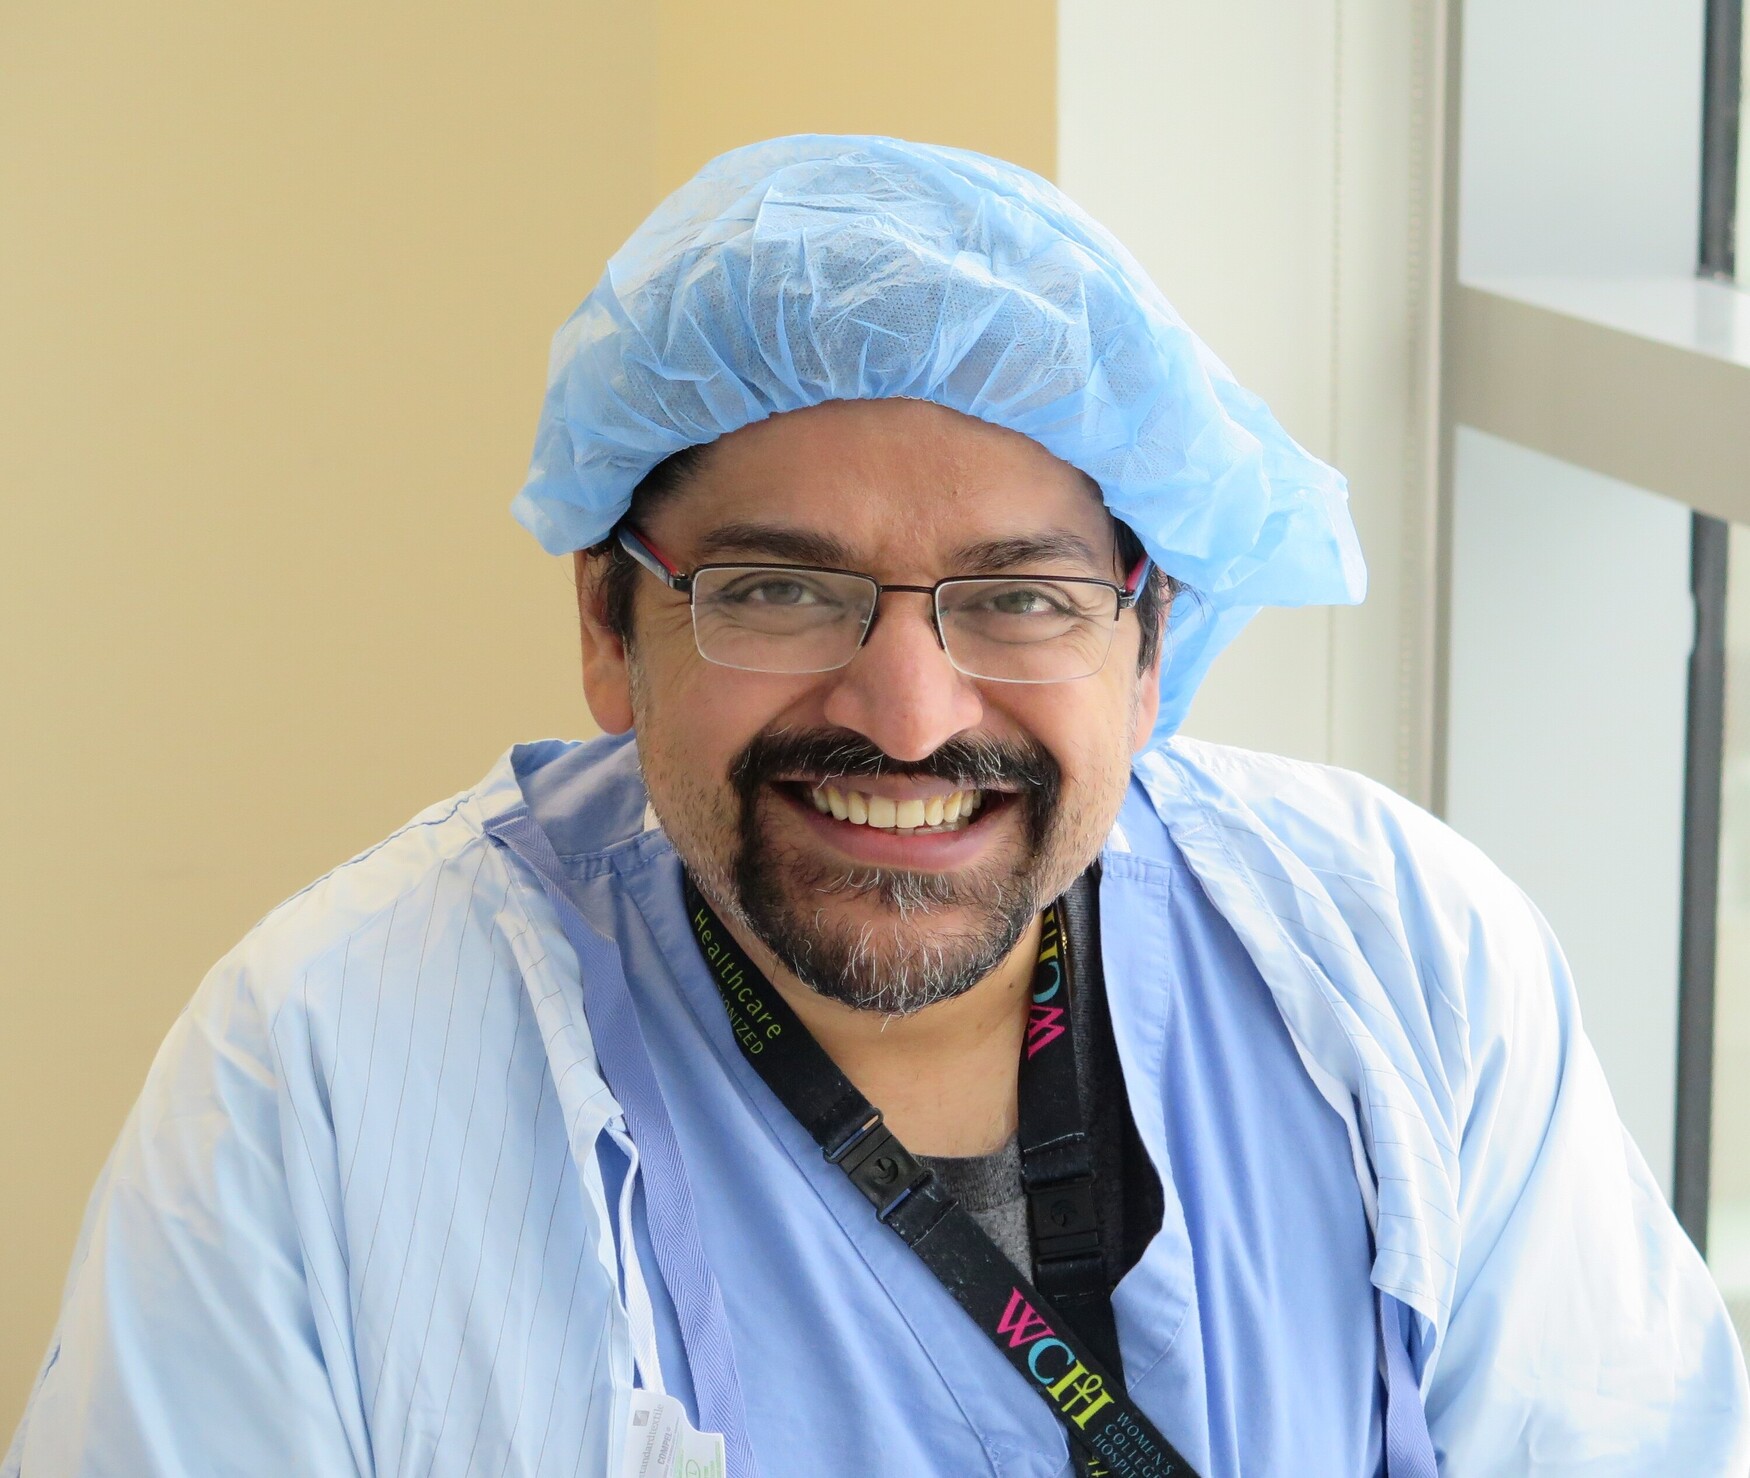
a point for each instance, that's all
(1065, 1221)
(882, 1168)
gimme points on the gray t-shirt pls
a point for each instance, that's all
(989, 1187)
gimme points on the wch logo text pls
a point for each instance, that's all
(1075, 1390)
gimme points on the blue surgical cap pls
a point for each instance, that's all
(819, 268)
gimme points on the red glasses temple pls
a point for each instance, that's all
(1138, 573)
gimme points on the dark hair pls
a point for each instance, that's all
(620, 579)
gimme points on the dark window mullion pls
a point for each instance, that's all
(1709, 545)
(1722, 94)
(1709, 548)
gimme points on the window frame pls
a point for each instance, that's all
(1641, 402)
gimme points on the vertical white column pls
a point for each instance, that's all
(1270, 165)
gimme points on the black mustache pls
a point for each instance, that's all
(984, 764)
(1023, 766)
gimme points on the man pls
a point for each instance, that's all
(1234, 1117)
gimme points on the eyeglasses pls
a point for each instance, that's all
(797, 619)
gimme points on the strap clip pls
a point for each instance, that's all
(1065, 1222)
(882, 1168)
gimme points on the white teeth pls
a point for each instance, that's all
(913, 814)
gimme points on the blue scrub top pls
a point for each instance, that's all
(1249, 1325)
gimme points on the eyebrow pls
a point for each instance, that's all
(1024, 549)
(774, 541)
(803, 546)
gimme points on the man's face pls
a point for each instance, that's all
(876, 913)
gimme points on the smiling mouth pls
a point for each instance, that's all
(934, 815)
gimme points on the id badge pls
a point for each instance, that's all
(659, 1441)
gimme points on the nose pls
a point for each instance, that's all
(900, 692)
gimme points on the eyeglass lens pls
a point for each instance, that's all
(776, 619)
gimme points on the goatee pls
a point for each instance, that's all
(899, 964)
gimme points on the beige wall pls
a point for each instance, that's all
(980, 74)
(276, 287)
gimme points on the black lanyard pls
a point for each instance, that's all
(1057, 1155)
(1057, 1331)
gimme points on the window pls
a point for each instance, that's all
(1596, 489)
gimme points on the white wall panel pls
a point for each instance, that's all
(1270, 166)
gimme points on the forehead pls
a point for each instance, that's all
(895, 478)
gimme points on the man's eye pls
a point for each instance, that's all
(1025, 601)
(1016, 602)
(770, 591)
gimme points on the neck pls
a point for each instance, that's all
(944, 1077)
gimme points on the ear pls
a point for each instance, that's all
(1148, 698)
(607, 679)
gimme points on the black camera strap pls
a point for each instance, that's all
(1057, 1329)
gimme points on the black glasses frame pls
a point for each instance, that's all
(646, 554)
(682, 582)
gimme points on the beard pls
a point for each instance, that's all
(910, 954)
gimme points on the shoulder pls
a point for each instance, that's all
(1358, 876)
(1336, 822)
(431, 925)
(369, 903)
(1327, 810)
(333, 974)
(427, 926)
(347, 971)
(434, 889)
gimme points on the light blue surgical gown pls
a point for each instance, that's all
(377, 1210)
